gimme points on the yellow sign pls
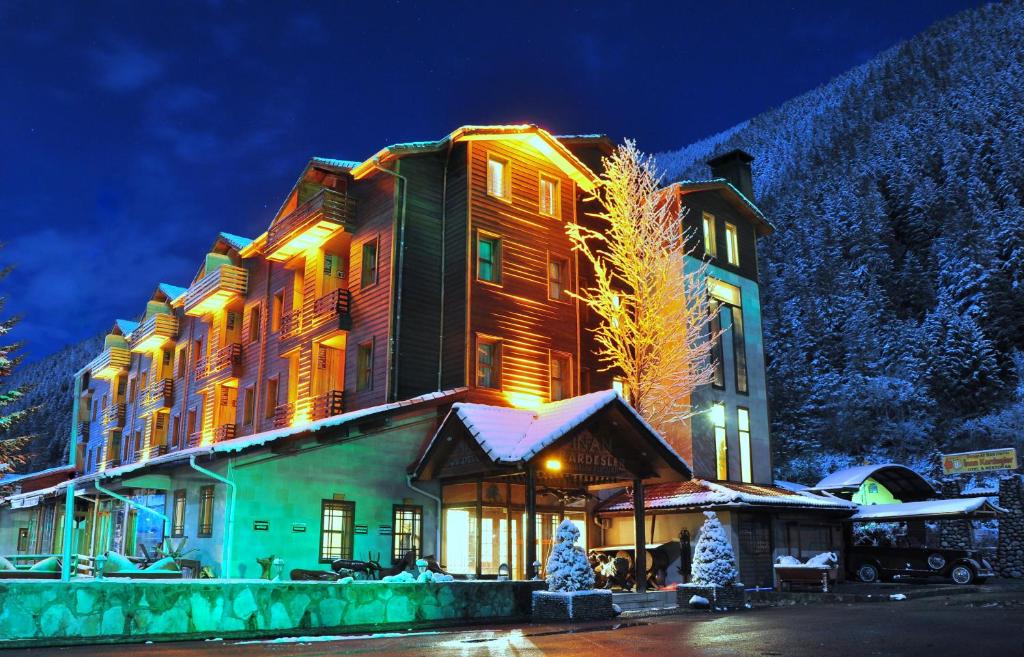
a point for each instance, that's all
(983, 461)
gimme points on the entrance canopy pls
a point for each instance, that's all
(592, 439)
(960, 508)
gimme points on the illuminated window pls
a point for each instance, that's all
(276, 311)
(709, 235)
(248, 405)
(743, 424)
(619, 386)
(488, 363)
(739, 349)
(488, 258)
(718, 380)
(368, 272)
(336, 528)
(254, 324)
(364, 366)
(549, 196)
(561, 377)
(732, 245)
(271, 400)
(558, 278)
(406, 530)
(498, 181)
(23, 539)
(721, 448)
(205, 512)
(178, 514)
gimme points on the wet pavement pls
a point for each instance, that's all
(988, 625)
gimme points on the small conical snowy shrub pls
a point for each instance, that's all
(568, 567)
(713, 560)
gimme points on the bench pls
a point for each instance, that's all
(805, 578)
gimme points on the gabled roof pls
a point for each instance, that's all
(237, 242)
(698, 493)
(958, 507)
(172, 291)
(901, 481)
(346, 165)
(733, 195)
(126, 326)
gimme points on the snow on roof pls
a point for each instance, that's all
(722, 183)
(13, 478)
(930, 509)
(855, 476)
(237, 242)
(701, 493)
(790, 485)
(172, 291)
(340, 164)
(126, 325)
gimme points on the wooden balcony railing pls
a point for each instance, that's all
(226, 359)
(329, 404)
(111, 463)
(224, 432)
(154, 333)
(334, 306)
(194, 439)
(159, 394)
(113, 416)
(111, 361)
(83, 432)
(310, 224)
(283, 415)
(215, 290)
(291, 324)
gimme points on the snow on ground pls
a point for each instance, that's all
(335, 637)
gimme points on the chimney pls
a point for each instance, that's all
(734, 166)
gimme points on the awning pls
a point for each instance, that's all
(965, 507)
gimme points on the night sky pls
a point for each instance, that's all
(131, 135)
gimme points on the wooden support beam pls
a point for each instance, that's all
(531, 522)
(640, 561)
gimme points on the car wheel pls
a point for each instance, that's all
(867, 572)
(962, 574)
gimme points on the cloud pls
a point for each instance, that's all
(123, 67)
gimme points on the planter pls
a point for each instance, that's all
(725, 598)
(576, 606)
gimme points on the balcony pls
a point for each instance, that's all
(291, 324)
(194, 439)
(110, 463)
(283, 415)
(151, 452)
(215, 290)
(224, 432)
(227, 359)
(154, 333)
(334, 307)
(309, 225)
(329, 404)
(83, 432)
(113, 417)
(159, 394)
(112, 361)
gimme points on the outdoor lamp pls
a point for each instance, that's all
(553, 465)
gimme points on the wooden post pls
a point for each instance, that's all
(640, 560)
(531, 522)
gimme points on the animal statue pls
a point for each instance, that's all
(370, 569)
(603, 568)
(622, 576)
(265, 564)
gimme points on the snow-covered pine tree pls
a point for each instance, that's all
(11, 446)
(568, 567)
(714, 563)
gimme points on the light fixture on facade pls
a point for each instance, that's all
(554, 465)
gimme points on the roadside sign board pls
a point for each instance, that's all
(988, 460)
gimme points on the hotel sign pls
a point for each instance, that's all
(586, 454)
(988, 460)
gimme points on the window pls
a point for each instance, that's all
(488, 363)
(178, 514)
(739, 349)
(709, 235)
(277, 311)
(254, 324)
(95, 405)
(176, 430)
(732, 244)
(406, 530)
(191, 424)
(619, 386)
(205, 512)
(271, 401)
(364, 366)
(369, 268)
(721, 448)
(558, 278)
(131, 390)
(488, 258)
(336, 519)
(23, 539)
(716, 351)
(180, 356)
(549, 196)
(560, 385)
(743, 424)
(248, 405)
(498, 171)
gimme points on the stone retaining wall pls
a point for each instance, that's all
(1010, 548)
(54, 613)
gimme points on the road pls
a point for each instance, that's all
(932, 627)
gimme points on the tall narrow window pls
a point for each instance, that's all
(176, 432)
(270, 403)
(178, 514)
(732, 244)
(721, 446)
(560, 385)
(276, 311)
(364, 366)
(710, 247)
(488, 363)
(743, 425)
(205, 512)
(254, 324)
(739, 349)
(336, 527)
(558, 269)
(549, 196)
(497, 177)
(368, 273)
(406, 530)
(488, 258)
(718, 379)
(191, 424)
(248, 405)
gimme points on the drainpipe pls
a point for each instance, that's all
(69, 500)
(229, 513)
(135, 505)
(437, 523)
(401, 262)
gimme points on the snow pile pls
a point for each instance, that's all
(714, 563)
(568, 567)
(401, 578)
(699, 602)
(898, 596)
(823, 559)
(787, 560)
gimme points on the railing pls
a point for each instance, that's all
(335, 209)
(113, 416)
(83, 431)
(111, 463)
(194, 439)
(334, 305)
(215, 289)
(227, 358)
(224, 432)
(154, 332)
(154, 451)
(110, 361)
(283, 415)
(291, 323)
(329, 404)
(159, 394)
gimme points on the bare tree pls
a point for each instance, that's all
(651, 300)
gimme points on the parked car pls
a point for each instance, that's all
(868, 563)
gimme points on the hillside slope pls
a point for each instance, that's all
(894, 287)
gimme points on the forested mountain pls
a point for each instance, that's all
(893, 289)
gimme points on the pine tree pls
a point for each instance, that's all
(11, 446)
(714, 563)
(568, 567)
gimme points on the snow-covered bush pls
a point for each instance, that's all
(714, 563)
(568, 567)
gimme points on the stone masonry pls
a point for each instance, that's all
(953, 534)
(1010, 548)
